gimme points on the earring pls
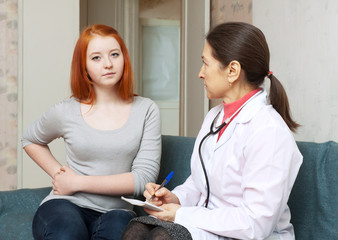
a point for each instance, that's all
(230, 84)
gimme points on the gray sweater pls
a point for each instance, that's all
(135, 147)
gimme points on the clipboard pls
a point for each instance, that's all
(142, 204)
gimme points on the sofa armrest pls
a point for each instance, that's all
(17, 209)
(22, 199)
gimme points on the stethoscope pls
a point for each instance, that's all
(214, 132)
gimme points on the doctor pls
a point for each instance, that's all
(245, 159)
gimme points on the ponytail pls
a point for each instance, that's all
(279, 101)
(246, 44)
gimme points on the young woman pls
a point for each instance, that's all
(245, 159)
(112, 140)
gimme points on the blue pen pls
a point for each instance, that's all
(165, 182)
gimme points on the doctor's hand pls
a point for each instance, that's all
(162, 196)
(64, 181)
(168, 214)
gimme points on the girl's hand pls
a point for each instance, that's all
(168, 214)
(162, 196)
(65, 181)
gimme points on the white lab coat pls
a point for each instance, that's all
(251, 171)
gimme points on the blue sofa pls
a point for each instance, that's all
(313, 201)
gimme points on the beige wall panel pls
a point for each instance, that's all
(49, 32)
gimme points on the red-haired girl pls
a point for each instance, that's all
(112, 140)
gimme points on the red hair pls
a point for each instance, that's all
(81, 85)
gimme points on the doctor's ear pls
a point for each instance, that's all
(234, 70)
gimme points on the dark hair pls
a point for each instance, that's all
(246, 44)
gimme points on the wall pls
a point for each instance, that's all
(303, 37)
(229, 11)
(49, 30)
(196, 24)
(160, 9)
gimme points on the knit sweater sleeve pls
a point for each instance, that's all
(146, 165)
(46, 128)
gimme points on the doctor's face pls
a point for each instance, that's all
(213, 74)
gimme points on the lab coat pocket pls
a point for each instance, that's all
(227, 175)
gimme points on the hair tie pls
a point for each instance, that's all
(270, 73)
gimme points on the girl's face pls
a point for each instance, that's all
(214, 76)
(104, 62)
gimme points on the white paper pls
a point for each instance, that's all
(142, 204)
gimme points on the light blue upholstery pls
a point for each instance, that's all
(313, 201)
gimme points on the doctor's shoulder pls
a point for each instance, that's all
(268, 118)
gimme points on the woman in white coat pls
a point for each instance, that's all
(245, 159)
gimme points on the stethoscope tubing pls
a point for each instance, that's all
(201, 158)
(213, 133)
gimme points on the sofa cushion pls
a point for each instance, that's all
(314, 198)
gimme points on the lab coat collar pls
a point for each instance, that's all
(245, 115)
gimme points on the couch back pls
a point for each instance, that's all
(176, 154)
(314, 198)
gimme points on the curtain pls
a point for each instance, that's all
(8, 93)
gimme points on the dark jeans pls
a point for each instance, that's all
(60, 219)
